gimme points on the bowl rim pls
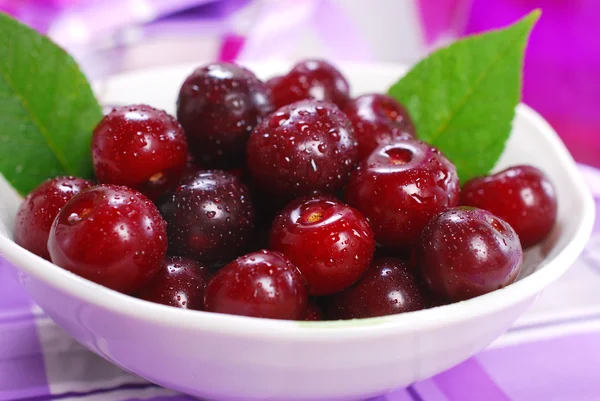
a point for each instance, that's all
(526, 288)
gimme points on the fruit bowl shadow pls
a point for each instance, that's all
(222, 357)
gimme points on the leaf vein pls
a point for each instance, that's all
(40, 127)
(471, 90)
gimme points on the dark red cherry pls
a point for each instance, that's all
(310, 79)
(521, 195)
(400, 187)
(466, 252)
(191, 165)
(260, 284)
(330, 242)
(438, 301)
(111, 235)
(388, 287)
(219, 105)
(271, 84)
(40, 207)
(180, 282)
(140, 147)
(210, 217)
(313, 312)
(378, 119)
(302, 148)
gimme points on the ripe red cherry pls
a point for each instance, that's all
(219, 105)
(259, 284)
(191, 165)
(399, 187)
(302, 148)
(330, 242)
(40, 207)
(313, 312)
(466, 252)
(378, 119)
(111, 235)
(310, 79)
(210, 217)
(272, 83)
(521, 195)
(180, 282)
(140, 147)
(388, 287)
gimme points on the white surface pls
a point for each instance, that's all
(235, 358)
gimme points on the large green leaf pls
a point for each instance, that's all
(462, 98)
(47, 109)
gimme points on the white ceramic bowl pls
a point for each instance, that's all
(223, 357)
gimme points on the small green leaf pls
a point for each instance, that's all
(462, 98)
(47, 109)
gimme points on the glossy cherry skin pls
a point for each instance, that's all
(378, 119)
(387, 288)
(465, 252)
(260, 284)
(313, 312)
(40, 207)
(330, 242)
(140, 147)
(521, 195)
(302, 148)
(191, 165)
(111, 235)
(271, 84)
(210, 217)
(399, 187)
(310, 79)
(219, 105)
(180, 282)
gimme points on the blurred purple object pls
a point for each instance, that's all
(97, 18)
(112, 36)
(442, 18)
(77, 21)
(280, 24)
(38, 14)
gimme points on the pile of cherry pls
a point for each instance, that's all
(286, 199)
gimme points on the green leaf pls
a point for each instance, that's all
(47, 109)
(462, 98)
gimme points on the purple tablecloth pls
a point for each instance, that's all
(550, 353)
